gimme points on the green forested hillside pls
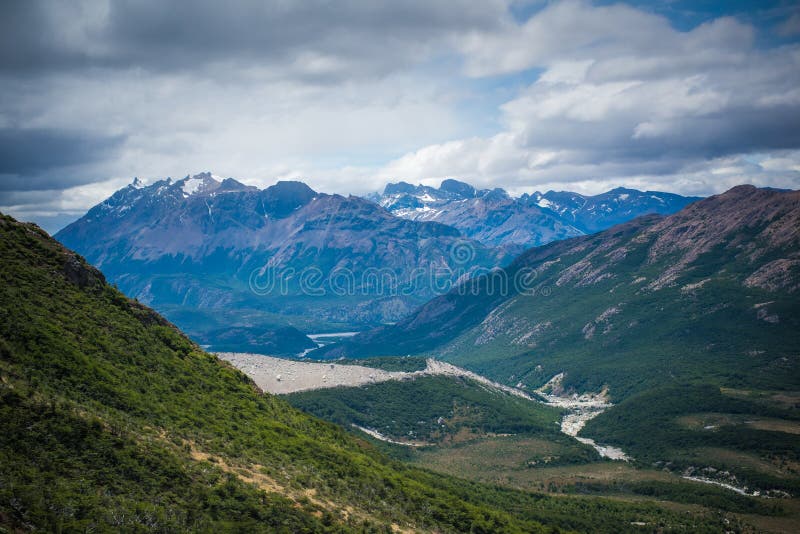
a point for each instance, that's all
(435, 409)
(114, 421)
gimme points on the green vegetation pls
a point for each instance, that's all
(113, 420)
(495, 438)
(683, 492)
(454, 409)
(63, 470)
(652, 428)
(643, 341)
(522, 463)
(519, 461)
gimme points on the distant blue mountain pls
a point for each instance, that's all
(494, 218)
(204, 251)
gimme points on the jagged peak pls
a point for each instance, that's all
(458, 188)
(399, 188)
(201, 183)
(496, 194)
(290, 187)
(231, 184)
(284, 197)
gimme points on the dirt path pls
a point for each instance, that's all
(377, 435)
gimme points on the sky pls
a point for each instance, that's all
(692, 97)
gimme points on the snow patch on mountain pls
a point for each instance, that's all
(192, 186)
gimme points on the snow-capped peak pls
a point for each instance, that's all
(199, 183)
(192, 185)
(137, 183)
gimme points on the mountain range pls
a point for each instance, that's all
(646, 301)
(495, 218)
(214, 254)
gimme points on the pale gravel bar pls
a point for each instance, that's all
(279, 376)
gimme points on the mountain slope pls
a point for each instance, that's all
(216, 254)
(113, 420)
(494, 218)
(709, 291)
(691, 323)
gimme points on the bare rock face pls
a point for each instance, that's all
(747, 222)
(82, 275)
(783, 274)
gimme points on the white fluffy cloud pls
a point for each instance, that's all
(624, 98)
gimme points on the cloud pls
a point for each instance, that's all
(314, 38)
(347, 95)
(26, 156)
(94, 91)
(623, 95)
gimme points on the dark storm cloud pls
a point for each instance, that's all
(157, 35)
(28, 155)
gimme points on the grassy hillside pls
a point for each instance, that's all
(113, 420)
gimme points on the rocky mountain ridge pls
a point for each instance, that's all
(495, 218)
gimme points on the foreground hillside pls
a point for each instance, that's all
(113, 420)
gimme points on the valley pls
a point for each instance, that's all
(281, 376)
(459, 437)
